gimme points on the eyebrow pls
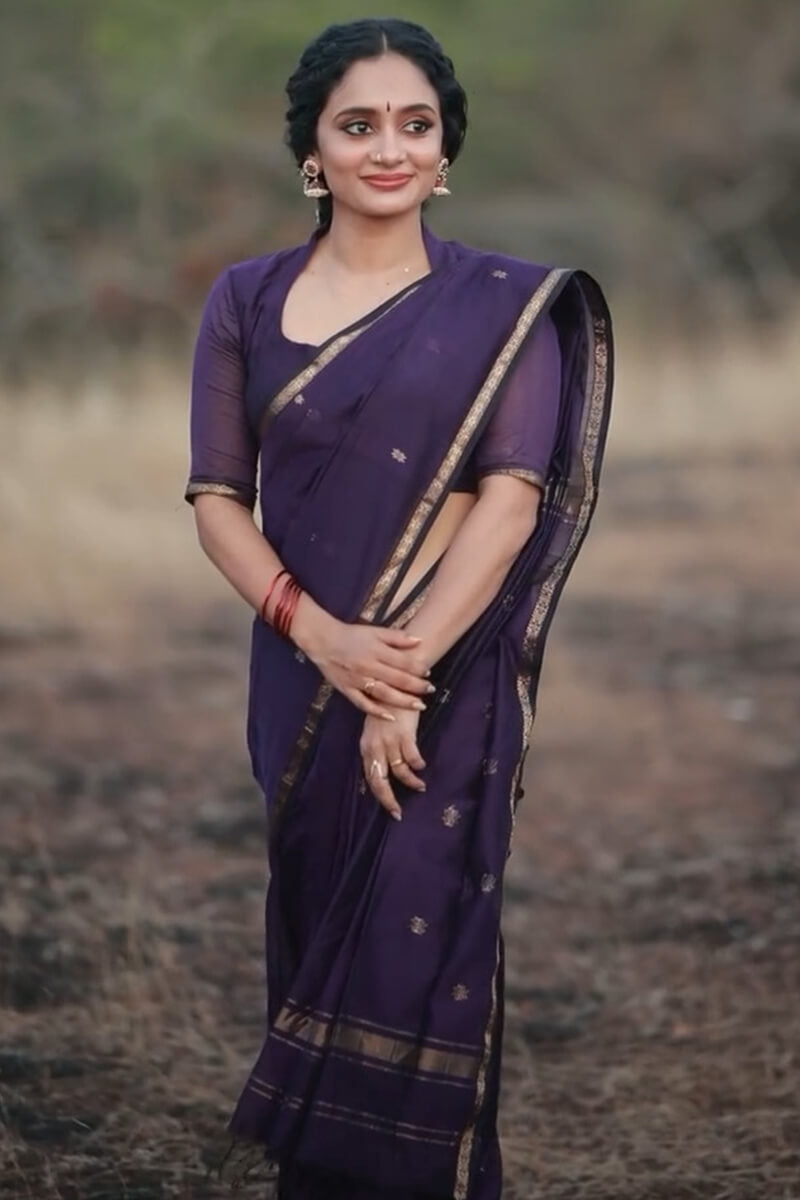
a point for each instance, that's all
(363, 111)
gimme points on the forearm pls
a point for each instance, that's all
(474, 566)
(237, 548)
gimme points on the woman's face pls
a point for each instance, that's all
(379, 137)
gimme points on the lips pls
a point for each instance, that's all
(387, 180)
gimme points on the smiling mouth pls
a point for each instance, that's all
(387, 178)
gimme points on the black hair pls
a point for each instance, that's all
(327, 58)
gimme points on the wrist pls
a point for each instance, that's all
(312, 627)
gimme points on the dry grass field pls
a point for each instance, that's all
(652, 906)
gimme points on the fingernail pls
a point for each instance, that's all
(427, 673)
(422, 787)
(419, 706)
(397, 816)
(431, 688)
(388, 717)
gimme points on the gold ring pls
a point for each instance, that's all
(395, 762)
(376, 766)
(370, 683)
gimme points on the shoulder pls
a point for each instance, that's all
(242, 280)
(493, 264)
(237, 292)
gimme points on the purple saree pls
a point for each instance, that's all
(380, 1073)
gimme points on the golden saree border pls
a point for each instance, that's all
(330, 352)
(595, 399)
(410, 537)
(596, 390)
(468, 1136)
(462, 439)
(402, 1053)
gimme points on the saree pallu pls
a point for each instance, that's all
(380, 1072)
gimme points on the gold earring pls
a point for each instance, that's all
(311, 172)
(440, 187)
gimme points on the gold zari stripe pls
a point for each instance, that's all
(410, 537)
(402, 1053)
(295, 386)
(219, 489)
(454, 455)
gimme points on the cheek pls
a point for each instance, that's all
(427, 155)
(343, 154)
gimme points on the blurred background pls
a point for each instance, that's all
(652, 897)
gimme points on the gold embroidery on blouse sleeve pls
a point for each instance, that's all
(243, 496)
(535, 477)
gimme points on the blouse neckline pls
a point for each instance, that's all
(433, 247)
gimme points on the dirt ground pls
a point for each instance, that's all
(652, 904)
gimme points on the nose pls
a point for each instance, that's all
(388, 150)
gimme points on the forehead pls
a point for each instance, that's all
(376, 82)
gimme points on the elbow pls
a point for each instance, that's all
(520, 520)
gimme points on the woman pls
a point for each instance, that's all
(430, 421)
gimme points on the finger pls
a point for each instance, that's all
(403, 660)
(403, 772)
(383, 694)
(370, 707)
(396, 637)
(402, 680)
(382, 791)
(409, 750)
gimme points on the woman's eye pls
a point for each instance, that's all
(422, 126)
(356, 127)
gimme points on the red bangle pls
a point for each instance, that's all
(287, 606)
(270, 590)
(293, 609)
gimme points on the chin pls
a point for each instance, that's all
(388, 205)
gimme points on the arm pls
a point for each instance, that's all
(345, 654)
(476, 562)
(512, 460)
(222, 489)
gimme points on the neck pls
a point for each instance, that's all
(362, 245)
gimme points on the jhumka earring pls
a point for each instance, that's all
(311, 172)
(440, 187)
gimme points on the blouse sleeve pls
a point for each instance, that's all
(520, 435)
(224, 450)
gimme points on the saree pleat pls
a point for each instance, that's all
(380, 1073)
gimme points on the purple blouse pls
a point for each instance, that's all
(242, 359)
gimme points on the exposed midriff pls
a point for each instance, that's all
(438, 538)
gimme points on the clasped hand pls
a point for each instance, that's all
(390, 751)
(395, 671)
(387, 661)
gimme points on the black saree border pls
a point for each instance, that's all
(596, 406)
(430, 503)
(424, 512)
(597, 393)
